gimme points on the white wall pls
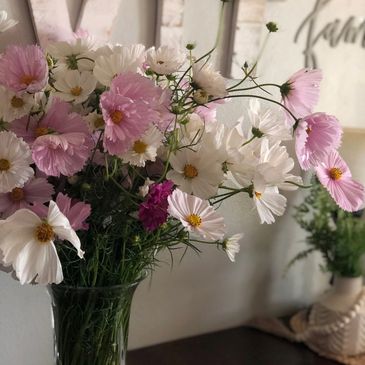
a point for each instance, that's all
(201, 294)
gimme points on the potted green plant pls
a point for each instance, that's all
(337, 319)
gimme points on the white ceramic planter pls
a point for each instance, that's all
(337, 320)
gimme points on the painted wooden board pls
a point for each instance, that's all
(52, 20)
(248, 33)
(97, 17)
(170, 18)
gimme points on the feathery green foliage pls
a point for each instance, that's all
(338, 235)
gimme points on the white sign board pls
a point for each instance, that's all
(328, 34)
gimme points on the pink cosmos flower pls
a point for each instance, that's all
(316, 135)
(300, 93)
(208, 112)
(128, 109)
(24, 68)
(61, 141)
(75, 211)
(335, 176)
(37, 190)
(153, 212)
(165, 118)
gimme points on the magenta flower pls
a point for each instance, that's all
(37, 190)
(335, 176)
(24, 68)
(75, 211)
(316, 135)
(300, 93)
(61, 141)
(153, 212)
(128, 109)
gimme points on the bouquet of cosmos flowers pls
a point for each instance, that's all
(117, 151)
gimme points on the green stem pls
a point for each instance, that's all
(85, 58)
(249, 141)
(130, 195)
(258, 97)
(217, 39)
(299, 185)
(254, 87)
(247, 75)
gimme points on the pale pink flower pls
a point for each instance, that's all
(128, 110)
(208, 112)
(26, 128)
(335, 176)
(60, 141)
(24, 68)
(75, 211)
(196, 215)
(300, 93)
(37, 190)
(316, 135)
(165, 119)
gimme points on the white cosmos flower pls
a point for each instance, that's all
(95, 121)
(274, 166)
(209, 80)
(192, 130)
(269, 163)
(232, 245)
(145, 188)
(165, 60)
(13, 105)
(27, 243)
(246, 161)
(145, 148)
(194, 172)
(266, 124)
(226, 143)
(5, 22)
(72, 55)
(196, 215)
(122, 59)
(72, 85)
(15, 158)
(269, 202)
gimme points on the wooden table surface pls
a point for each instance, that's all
(238, 346)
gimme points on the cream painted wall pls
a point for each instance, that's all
(200, 294)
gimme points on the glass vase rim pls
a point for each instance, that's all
(143, 276)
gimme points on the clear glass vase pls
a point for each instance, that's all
(91, 324)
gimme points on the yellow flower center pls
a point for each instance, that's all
(76, 91)
(200, 96)
(258, 195)
(190, 171)
(116, 116)
(335, 173)
(194, 220)
(44, 233)
(17, 194)
(139, 147)
(99, 122)
(4, 164)
(16, 102)
(42, 131)
(27, 79)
